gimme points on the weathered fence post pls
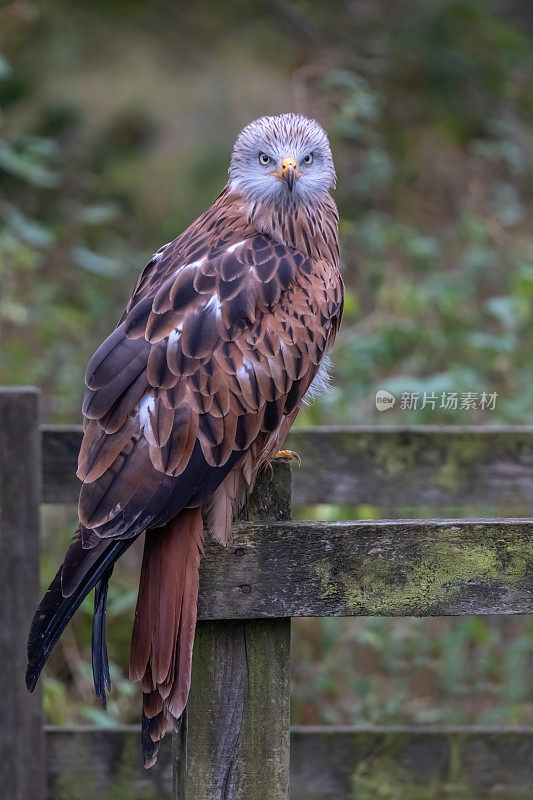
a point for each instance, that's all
(20, 495)
(235, 742)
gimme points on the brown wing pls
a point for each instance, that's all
(216, 346)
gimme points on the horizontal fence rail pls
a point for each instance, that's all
(406, 568)
(400, 471)
(326, 763)
(434, 468)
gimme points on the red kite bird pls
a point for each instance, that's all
(227, 332)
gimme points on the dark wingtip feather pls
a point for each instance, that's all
(55, 610)
(38, 645)
(100, 661)
(32, 676)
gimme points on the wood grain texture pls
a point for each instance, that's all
(425, 470)
(402, 568)
(467, 763)
(407, 763)
(89, 763)
(60, 447)
(21, 767)
(420, 471)
(237, 743)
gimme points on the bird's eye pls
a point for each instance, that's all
(264, 159)
(308, 159)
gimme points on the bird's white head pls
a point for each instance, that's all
(282, 160)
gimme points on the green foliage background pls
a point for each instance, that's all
(117, 120)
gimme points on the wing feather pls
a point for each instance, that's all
(233, 335)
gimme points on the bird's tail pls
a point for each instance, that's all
(164, 626)
(81, 570)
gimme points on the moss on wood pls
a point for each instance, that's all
(409, 568)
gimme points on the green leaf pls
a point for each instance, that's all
(94, 262)
(504, 309)
(26, 167)
(5, 69)
(29, 230)
(99, 717)
(98, 214)
(123, 601)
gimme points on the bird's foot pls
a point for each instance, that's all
(288, 455)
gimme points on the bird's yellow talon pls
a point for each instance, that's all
(289, 455)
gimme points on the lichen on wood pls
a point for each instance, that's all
(403, 568)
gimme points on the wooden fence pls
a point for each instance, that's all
(235, 742)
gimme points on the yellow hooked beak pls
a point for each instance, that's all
(288, 172)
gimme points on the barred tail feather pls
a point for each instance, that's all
(164, 626)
